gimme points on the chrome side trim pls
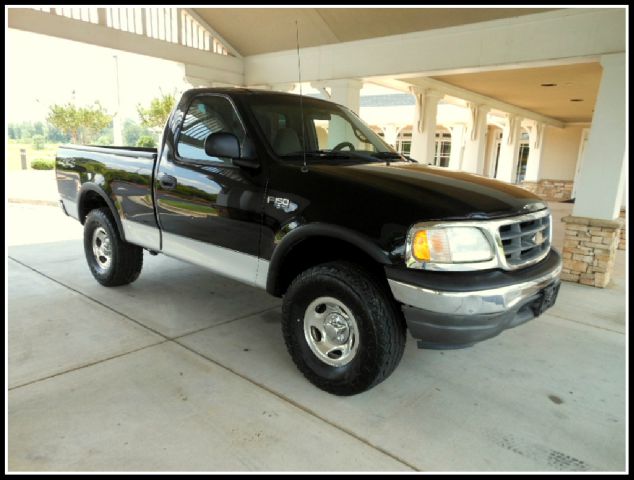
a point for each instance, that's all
(490, 229)
(142, 235)
(478, 302)
(240, 266)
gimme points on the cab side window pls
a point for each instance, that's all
(207, 114)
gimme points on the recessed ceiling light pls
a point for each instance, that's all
(576, 99)
(548, 84)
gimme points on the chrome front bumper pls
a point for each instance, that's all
(478, 302)
(453, 319)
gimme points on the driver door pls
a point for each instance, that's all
(209, 209)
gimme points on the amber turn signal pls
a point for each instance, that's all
(420, 247)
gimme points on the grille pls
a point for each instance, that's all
(526, 241)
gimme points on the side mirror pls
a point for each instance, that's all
(222, 144)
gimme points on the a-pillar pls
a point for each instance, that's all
(458, 132)
(535, 138)
(509, 149)
(424, 127)
(475, 142)
(592, 231)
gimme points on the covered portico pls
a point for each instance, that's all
(553, 79)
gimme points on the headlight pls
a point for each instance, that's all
(447, 245)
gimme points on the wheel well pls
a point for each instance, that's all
(89, 201)
(317, 250)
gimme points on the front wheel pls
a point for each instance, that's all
(111, 260)
(343, 331)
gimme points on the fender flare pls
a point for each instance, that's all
(299, 234)
(93, 187)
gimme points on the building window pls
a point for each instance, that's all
(442, 149)
(404, 143)
(522, 160)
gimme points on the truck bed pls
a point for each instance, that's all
(123, 173)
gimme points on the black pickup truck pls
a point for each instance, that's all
(299, 197)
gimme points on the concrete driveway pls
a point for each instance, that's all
(186, 371)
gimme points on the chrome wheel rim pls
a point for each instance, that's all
(102, 248)
(331, 331)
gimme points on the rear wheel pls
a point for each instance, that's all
(111, 260)
(342, 329)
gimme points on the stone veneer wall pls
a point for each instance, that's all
(589, 250)
(622, 241)
(551, 190)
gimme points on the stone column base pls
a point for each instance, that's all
(589, 250)
(622, 241)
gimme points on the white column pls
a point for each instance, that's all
(600, 182)
(535, 139)
(458, 133)
(509, 150)
(475, 143)
(390, 133)
(424, 126)
(346, 92)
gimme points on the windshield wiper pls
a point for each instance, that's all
(387, 155)
(393, 155)
(319, 154)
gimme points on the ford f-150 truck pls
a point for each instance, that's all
(297, 196)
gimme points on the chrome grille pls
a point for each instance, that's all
(525, 241)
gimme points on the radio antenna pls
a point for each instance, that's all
(301, 99)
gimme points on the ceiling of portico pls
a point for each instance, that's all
(257, 30)
(570, 97)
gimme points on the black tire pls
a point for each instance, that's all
(380, 324)
(126, 260)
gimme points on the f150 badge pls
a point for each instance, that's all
(281, 203)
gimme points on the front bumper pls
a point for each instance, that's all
(459, 315)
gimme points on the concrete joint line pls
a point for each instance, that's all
(223, 323)
(156, 332)
(586, 324)
(89, 298)
(80, 367)
(302, 408)
(175, 340)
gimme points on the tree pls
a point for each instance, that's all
(132, 131)
(155, 116)
(146, 141)
(38, 142)
(38, 128)
(82, 124)
(54, 135)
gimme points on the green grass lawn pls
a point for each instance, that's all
(13, 153)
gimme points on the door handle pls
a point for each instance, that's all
(167, 181)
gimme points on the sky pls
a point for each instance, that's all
(43, 70)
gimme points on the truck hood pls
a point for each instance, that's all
(436, 192)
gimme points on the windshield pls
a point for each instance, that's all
(330, 131)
